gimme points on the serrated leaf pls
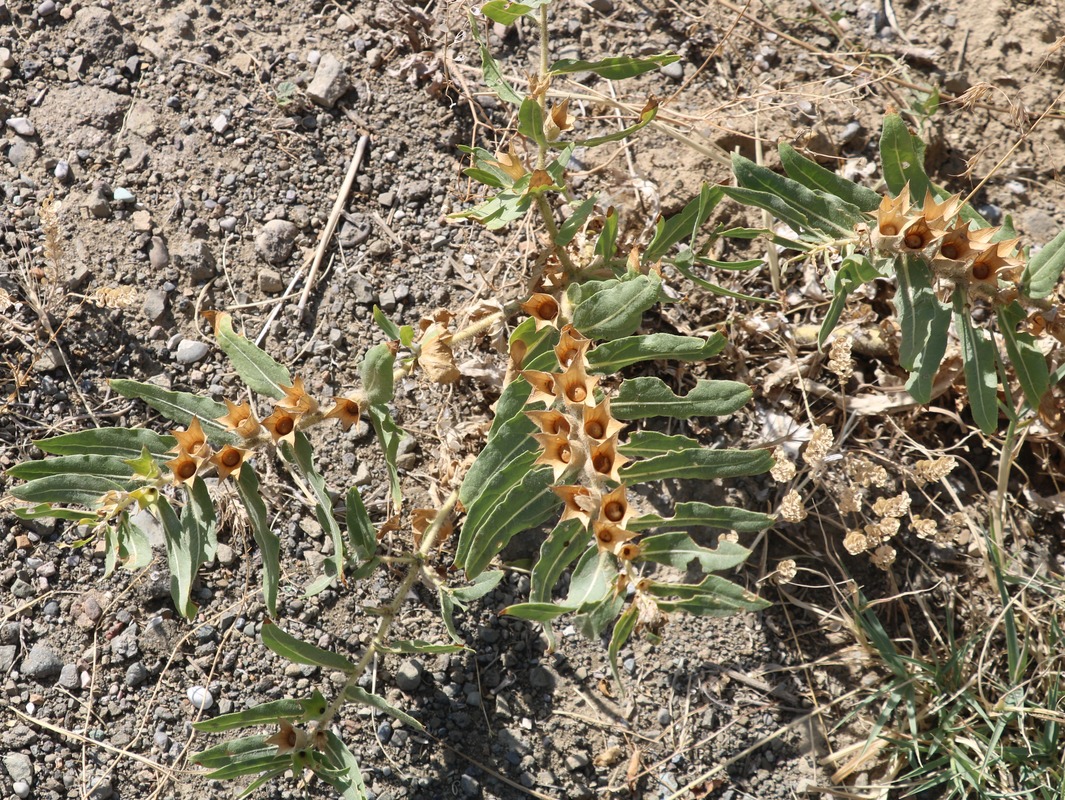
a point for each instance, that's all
(678, 550)
(701, 464)
(184, 554)
(527, 503)
(254, 365)
(267, 541)
(288, 646)
(615, 68)
(361, 532)
(683, 225)
(359, 695)
(1027, 359)
(981, 373)
(389, 435)
(1043, 270)
(78, 490)
(623, 629)
(376, 373)
(572, 224)
(640, 398)
(422, 646)
(814, 176)
(107, 467)
(827, 214)
(692, 514)
(505, 12)
(536, 612)
(180, 407)
(617, 310)
(265, 714)
(610, 357)
(713, 596)
(115, 442)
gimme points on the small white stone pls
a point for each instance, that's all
(200, 698)
(21, 788)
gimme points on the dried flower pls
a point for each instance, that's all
(557, 121)
(551, 422)
(991, 266)
(629, 551)
(346, 410)
(897, 506)
(959, 246)
(580, 503)
(883, 530)
(543, 308)
(918, 235)
(884, 557)
(289, 739)
(821, 441)
(792, 508)
(936, 212)
(598, 422)
(614, 507)
(839, 358)
(228, 461)
(571, 347)
(576, 386)
(610, 538)
(184, 468)
(855, 543)
(191, 440)
(850, 500)
(422, 518)
(510, 162)
(240, 419)
(891, 218)
(606, 460)
(558, 453)
(785, 572)
(281, 425)
(867, 473)
(935, 469)
(297, 399)
(544, 387)
(783, 468)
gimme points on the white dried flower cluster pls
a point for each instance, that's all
(866, 473)
(850, 500)
(783, 468)
(791, 507)
(884, 557)
(856, 543)
(839, 358)
(934, 469)
(786, 571)
(821, 441)
(897, 506)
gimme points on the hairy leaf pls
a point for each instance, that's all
(572, 224)
(376, 373)
(981, 373)
(180, 407)
(255, 366)
(617, 310)
(702, 464)
(288, 646)
(615, 68)
(622, 631)
(683, 225)
(349, 782)
(505, 12)
(361, 532)
(266, 714)
(640, 398)
(109, 467)
(1027, 359)
(610, 357)
(184, 552)
(421, 646)
(713, 596)
(678, 551)
(814, 176)
(491, 74)
(302, 455)
(116, 442)
(692, 514)
(79, 490)
(360, 695)
(267, 541)
(536, 612)
(389, 435)
(1043, 270)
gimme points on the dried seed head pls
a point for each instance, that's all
(614, 507)
(866, 473)
(856, 543)
(940, 213)
(839, 358)
(347, 410)
(240, 419)
(991, 266)
(821, 441)
(510, 162)
(557, 121)
(554, 423)
(850, 500)
(785, 572)
(884, 557)
(792, 508)
(935, 469)
(545, 389)
(228, 461)
(897, 506)
(918, 235)
(572, 347)
(297, 399)
(629, 551)
(598, 422)
(606, 460)
(543, 308)
(783, 468)
(891, 218)
(559, 453)
(610, 538)
(289, 739)
(192, 440)
(281, 425)
(580, 502)
(184, 468)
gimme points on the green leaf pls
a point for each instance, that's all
(108, 467)
(701, 464)
(267, 541)
(781, 209)
(252, 766)
(389, 435)
(422, 646)
(376, 373)
(678, 551)
(184, 553)
(640, 398)
(528, 503)
(606, 243)
(300, 652)
(646, 117)
(295, 711)
(509, 441)
(48, 511)
(531, 121)
(134, 547)
(1043, 270)
(359, 695)
(79, 490)
(349, 782)
(235, 750)
(505, 12)
(826, 213)
(391, 329)
(199, 507)
(683, 225)
(501, 209)
(573, 223)
(535, 612)
(303, 457)
(813, 176)
(691, 514)
(616, 68)
(361, 532)
(1027, 359)
(923, 322)
(645, 444)
(617, 311)
(593, 619)
(855, 270)
(482, 585)
(591, 578)
(713, 288)
(255, 367)
(115, 442)
(610, 357)
(561, 548)
(180, 407)
(713, 597)
(490, 71)
(622, 631)
(981, 374)
(902, 157)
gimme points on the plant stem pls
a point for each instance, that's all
(388, 616)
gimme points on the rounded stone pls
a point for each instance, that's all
(200, 698)
(276, 241)
(189, 351)
(409, 675)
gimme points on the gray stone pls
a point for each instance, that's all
(100, 789)
(7, 61)
(7, 658)
(46, 9)
(226, 556)
(220, 123)
(602, 6)
(22, 154)
(21, 789)
(276, 241)
(19, 767)
(409, 675)
(470, 786)
(154, 305)
(41, 662)
(1040, 226)
(20, 588)
(124, 646)
(122, 196)
(345, 24)
(62, 171)
(158, 254)
(98, 204)
(576, 761)
(329, 83)
(100, 34)
(198, 260)
(189, 351)
(540, 678)
(69, 677)
(22, 126)
(674, 71)
(270, 281)
(136, 674)
(228, 224)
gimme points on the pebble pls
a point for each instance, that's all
(345, 24)
(189, 351)
(228, 224)
(200, 698)
(198, 260)
(19, 767)
(220, 124)
(664, 717)
(409, 675)
(136, 674)
(226, 556)
(270, 281)
(101, 790)
(154, 305)
(276, 241)
(41, 662)
(470, 786)
(122, 195)
(69, 677)
(21, 788)
(329, 83)
(98, 204)
(158, 254)
(602, 6)
(674, 71)
(22, 154)
(384, 732)
(46, 9)
(576, 761)
(22, 126)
